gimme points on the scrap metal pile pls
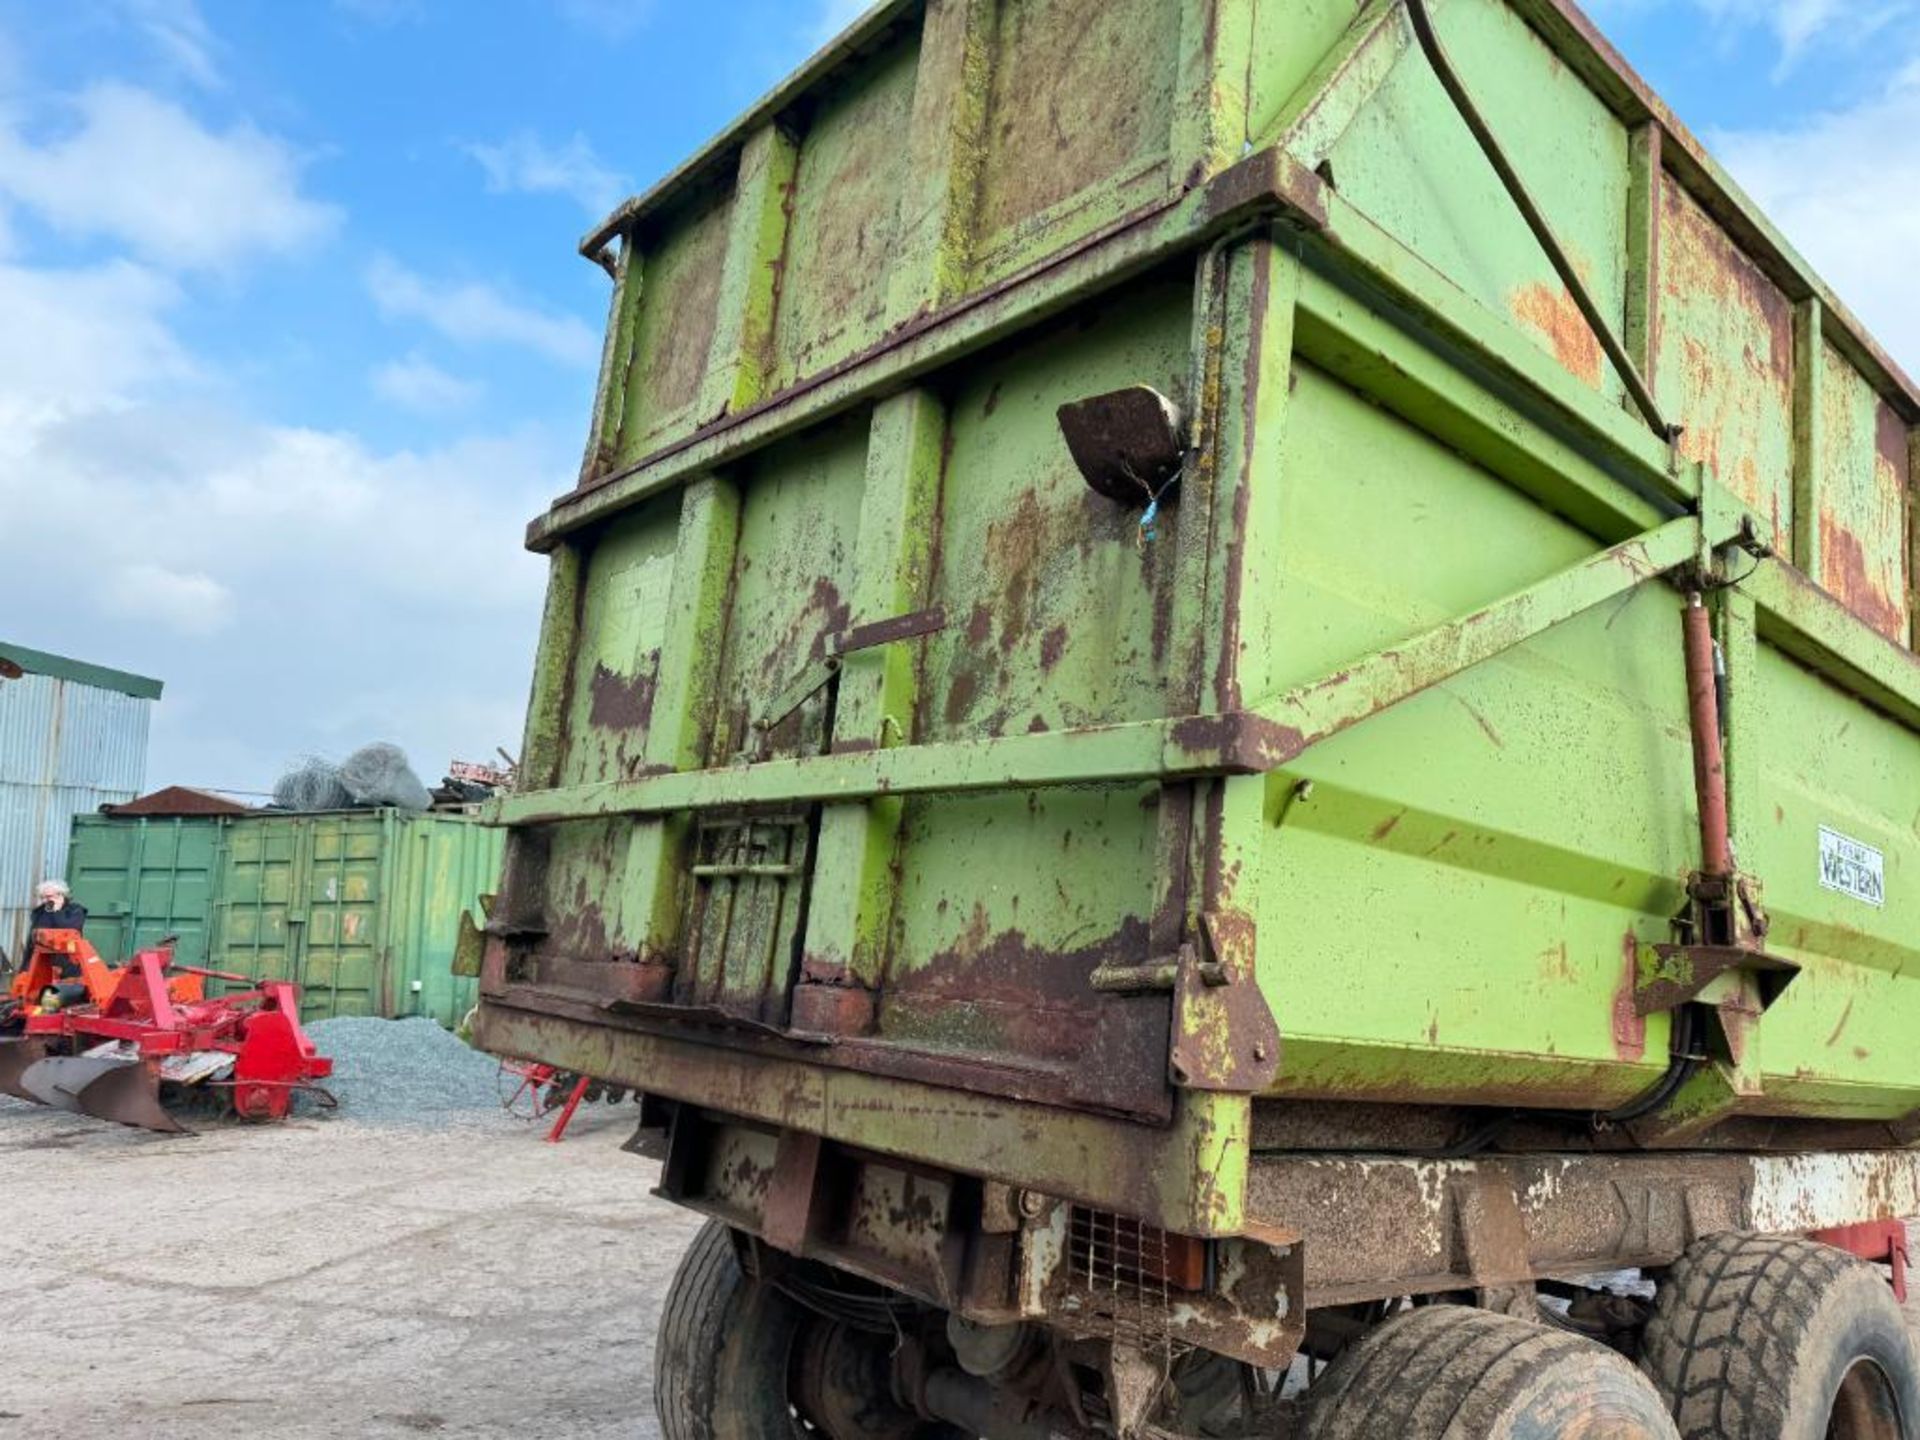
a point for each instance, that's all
(125, 1044)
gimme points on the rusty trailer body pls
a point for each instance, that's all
(1230, 621)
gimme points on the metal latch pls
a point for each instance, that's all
(802, 688)
(820, 673)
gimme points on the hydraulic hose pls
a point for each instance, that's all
(1680, 1069)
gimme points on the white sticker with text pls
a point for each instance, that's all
(1852, 868)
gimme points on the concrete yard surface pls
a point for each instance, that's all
(321, 1278)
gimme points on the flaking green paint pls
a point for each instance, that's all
(1392, 701)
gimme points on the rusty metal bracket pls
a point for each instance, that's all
(1225, 1038)
(1725, 929)
(1683, 972)
(886, 632)
(820, 673)
(1493, 1241)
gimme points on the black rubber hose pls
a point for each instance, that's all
(1680, 1069)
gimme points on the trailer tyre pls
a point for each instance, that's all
(1446, 1372)
(1756, 1337)
(721, 1353)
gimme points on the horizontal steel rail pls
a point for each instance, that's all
(1266, 736)
(1378, 1227)
(1536, 399)
(1189, 1176)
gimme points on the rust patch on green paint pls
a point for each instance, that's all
(1052, 646)
(679, 317)
(1725, 346)
(1479, 718)
(1081, 100)
(1549, 310)
(1856, 581)
(1629, 1025)
(1840, 1026)
(622, 702)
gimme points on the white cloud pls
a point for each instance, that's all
(417, 384)
(81, 338)
(474, 313)
(1845, 189)
(178, 30)
(186, 603)
(140, 170)
(526, 164)
(299, 589)
(1797, 22)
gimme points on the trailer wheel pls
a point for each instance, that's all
(735, 1359)
(1446, 1372)
(1758, 1336)
(720, 1356)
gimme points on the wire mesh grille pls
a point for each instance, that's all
(1114, 1255)
(1124, 1269)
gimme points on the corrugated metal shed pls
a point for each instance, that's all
(73, 737)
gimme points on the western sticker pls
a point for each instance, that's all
(1852, 867)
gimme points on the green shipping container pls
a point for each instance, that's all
(361, 909)
(143, 879)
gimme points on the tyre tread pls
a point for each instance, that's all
(1725, 1335)
(692, 1323)
(1451, 1373)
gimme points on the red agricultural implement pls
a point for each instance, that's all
(544, 1089)
(120, 1044)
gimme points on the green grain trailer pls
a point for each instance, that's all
(1220, 662)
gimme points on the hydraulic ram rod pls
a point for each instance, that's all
(1709, 759)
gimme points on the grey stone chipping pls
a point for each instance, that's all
(410, 1074)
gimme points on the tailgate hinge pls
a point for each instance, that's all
(1224, 1036)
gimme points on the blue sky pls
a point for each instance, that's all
(293, 341)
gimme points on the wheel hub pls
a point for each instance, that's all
(841, 1382)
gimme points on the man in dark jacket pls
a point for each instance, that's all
(54, 909)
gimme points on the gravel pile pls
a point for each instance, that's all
(409, 1075)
